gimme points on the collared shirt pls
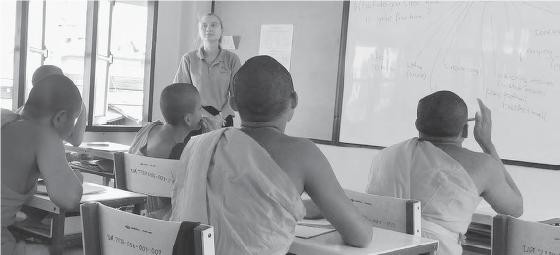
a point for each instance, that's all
(213, 80)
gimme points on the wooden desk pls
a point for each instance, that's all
(111, 197)
(384, 242)
(102, 150)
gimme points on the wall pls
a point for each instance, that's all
(539, 187)
(177, 29)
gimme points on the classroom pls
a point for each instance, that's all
(361, 70)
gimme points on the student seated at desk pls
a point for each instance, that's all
(32, 146)
(77, 135)
(182, 111)
(247, 182)
(448, 179)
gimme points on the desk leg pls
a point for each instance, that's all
(57, 239)
(106, 181)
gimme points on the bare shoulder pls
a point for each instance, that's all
(482, 161)
(482, 168)
(470, 160)
(302, 148)
(28, 130)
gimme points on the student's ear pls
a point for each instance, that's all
(465, 131)
(294, 100)
(187, 119)
(60, 118)
(233, 103)
(417, 125)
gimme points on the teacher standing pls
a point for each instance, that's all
(211, 69)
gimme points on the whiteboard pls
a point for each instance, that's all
(506, 53)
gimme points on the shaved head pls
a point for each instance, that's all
(52, 94)
(262, 88)
(441, 114)
(44, 71)
(177, 100)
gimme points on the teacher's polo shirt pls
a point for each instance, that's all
(213, 80)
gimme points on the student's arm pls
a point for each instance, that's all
(64, 187)
(183, 74)
(501, 192)
(311, 210)
(323, 187)
(77, 136)
(498, 193)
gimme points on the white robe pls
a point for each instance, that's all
(227, 180)
(416, 169)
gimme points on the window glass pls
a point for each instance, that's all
(120, 91)
(65, 32)
(34, 42)
(8, 21)
(101, 115)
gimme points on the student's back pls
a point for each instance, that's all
(182, 111)
(298, 157)
(32, 146)
(19, 140)
(448, 179)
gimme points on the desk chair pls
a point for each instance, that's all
(110, 231)
(401, 215)
(146, 175)
(511, 236)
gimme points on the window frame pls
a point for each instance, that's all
(90, 58)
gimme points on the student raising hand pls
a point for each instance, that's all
(483, 127)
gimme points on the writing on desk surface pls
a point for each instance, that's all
(151, 175)
(143, 248)
(536, 250)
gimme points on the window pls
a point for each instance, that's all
(115, 83)
(56, 36)
(121, 56)
(8, 21)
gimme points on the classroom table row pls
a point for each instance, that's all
(384, 241)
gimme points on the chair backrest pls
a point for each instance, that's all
(401, 215)
(513, 236)
(109, 231)
(146, 175)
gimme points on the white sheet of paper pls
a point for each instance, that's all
(276, 41)
(227, 42)
(88, 189)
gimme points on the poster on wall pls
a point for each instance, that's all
(276, 41)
